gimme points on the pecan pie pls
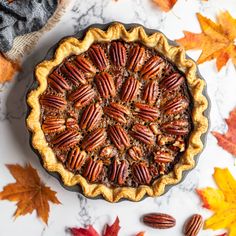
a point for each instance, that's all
(119, 112)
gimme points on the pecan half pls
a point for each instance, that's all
(66, 139)
(175, 106)
(108, 152)
(119, 172)
(91, 117)
(82, 96)
(93, 170)
(75, 159)
(94, 139)
(135, 153)
(119, 137)
(53, 125)
(136, 58)
(57, 82)
(118, 54)
(117, 112)
(141, 173)
(176, 127)
(105, 85)
(163, 157)
(172, 82)
(73, 74)
(53, 101)
(159, 220)
(152, 68)
(98, 57)
(143, 134)
(193, 225)
(146, 112)
(83, 64)
(151, 92)
(130, 89)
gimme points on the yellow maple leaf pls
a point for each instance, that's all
(217, 40)
(165, 5)
(29, 192)
(222, 201)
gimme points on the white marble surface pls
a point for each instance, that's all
(181, 201)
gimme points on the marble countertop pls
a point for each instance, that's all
(181, 201)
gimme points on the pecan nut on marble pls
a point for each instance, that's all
(142, 134)
(176, 127)
(119, 172)
(193, 225)
(93, 170)
(151, 92)
(75, 159)
(141, 173)
(118, 54)
(91, 117)
(53, 125)
(98, 57)
(146, 112)
(51, 101)
(152, 68)
(105, 85)
(94, 139)
(135, 153)
(82, 96)
(159, 220)
(85, 65)
(172, 82)
(117, 112)
(73, 73)
(57, 82)
(119, 137)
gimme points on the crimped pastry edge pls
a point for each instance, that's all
(159, 42)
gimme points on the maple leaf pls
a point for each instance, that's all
(90, 231)
(7, 69)
(222, 201)
(228, 140)
(113, 229)
(140, 233)
(29, 192)
(217, 40)
(165, 5)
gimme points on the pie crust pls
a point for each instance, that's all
(158, 42)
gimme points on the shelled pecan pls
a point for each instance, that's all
(193, 225)
(119, 172)
(85, 65)
(135, 153)
(172, 82)
(176, 127)
(53, 101)
(57, 82)
(163, 157)
(118, 54)
(98, 57)
(141, 173)
(53, 125)
(108, 152)
(93, 170)
(151, 92)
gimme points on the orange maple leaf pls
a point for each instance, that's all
(142, 233)
(217, 40)
(228, 140)
(222, 201)
(165, 5)
(29, 192)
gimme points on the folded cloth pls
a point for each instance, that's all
(21, 17)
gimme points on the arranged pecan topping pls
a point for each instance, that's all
(136, 58)
(193, 225)
(105, 85)
(176, 127)
(118, 54)
(175, 106)
(119, 137)
(82, 96)
(119, 172)
(135, 153)
(93, 170)
(57, 82)
(91, 117)
(117, 112)
(159, 220)
(172, 82)
(73, 73)
(83, 64)
(146, 112)
(52, 101)
(66, 139)
(163, 157)
(130, 89)
(108, 152)
(141, 173)
(143, 134)
(98, 57)
(94, 139)
(152, 68)
(53, 125)
(71, 123)
(151, 92)
(75, 159)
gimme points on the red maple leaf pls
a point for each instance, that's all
(90, 231)
(113, 229)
